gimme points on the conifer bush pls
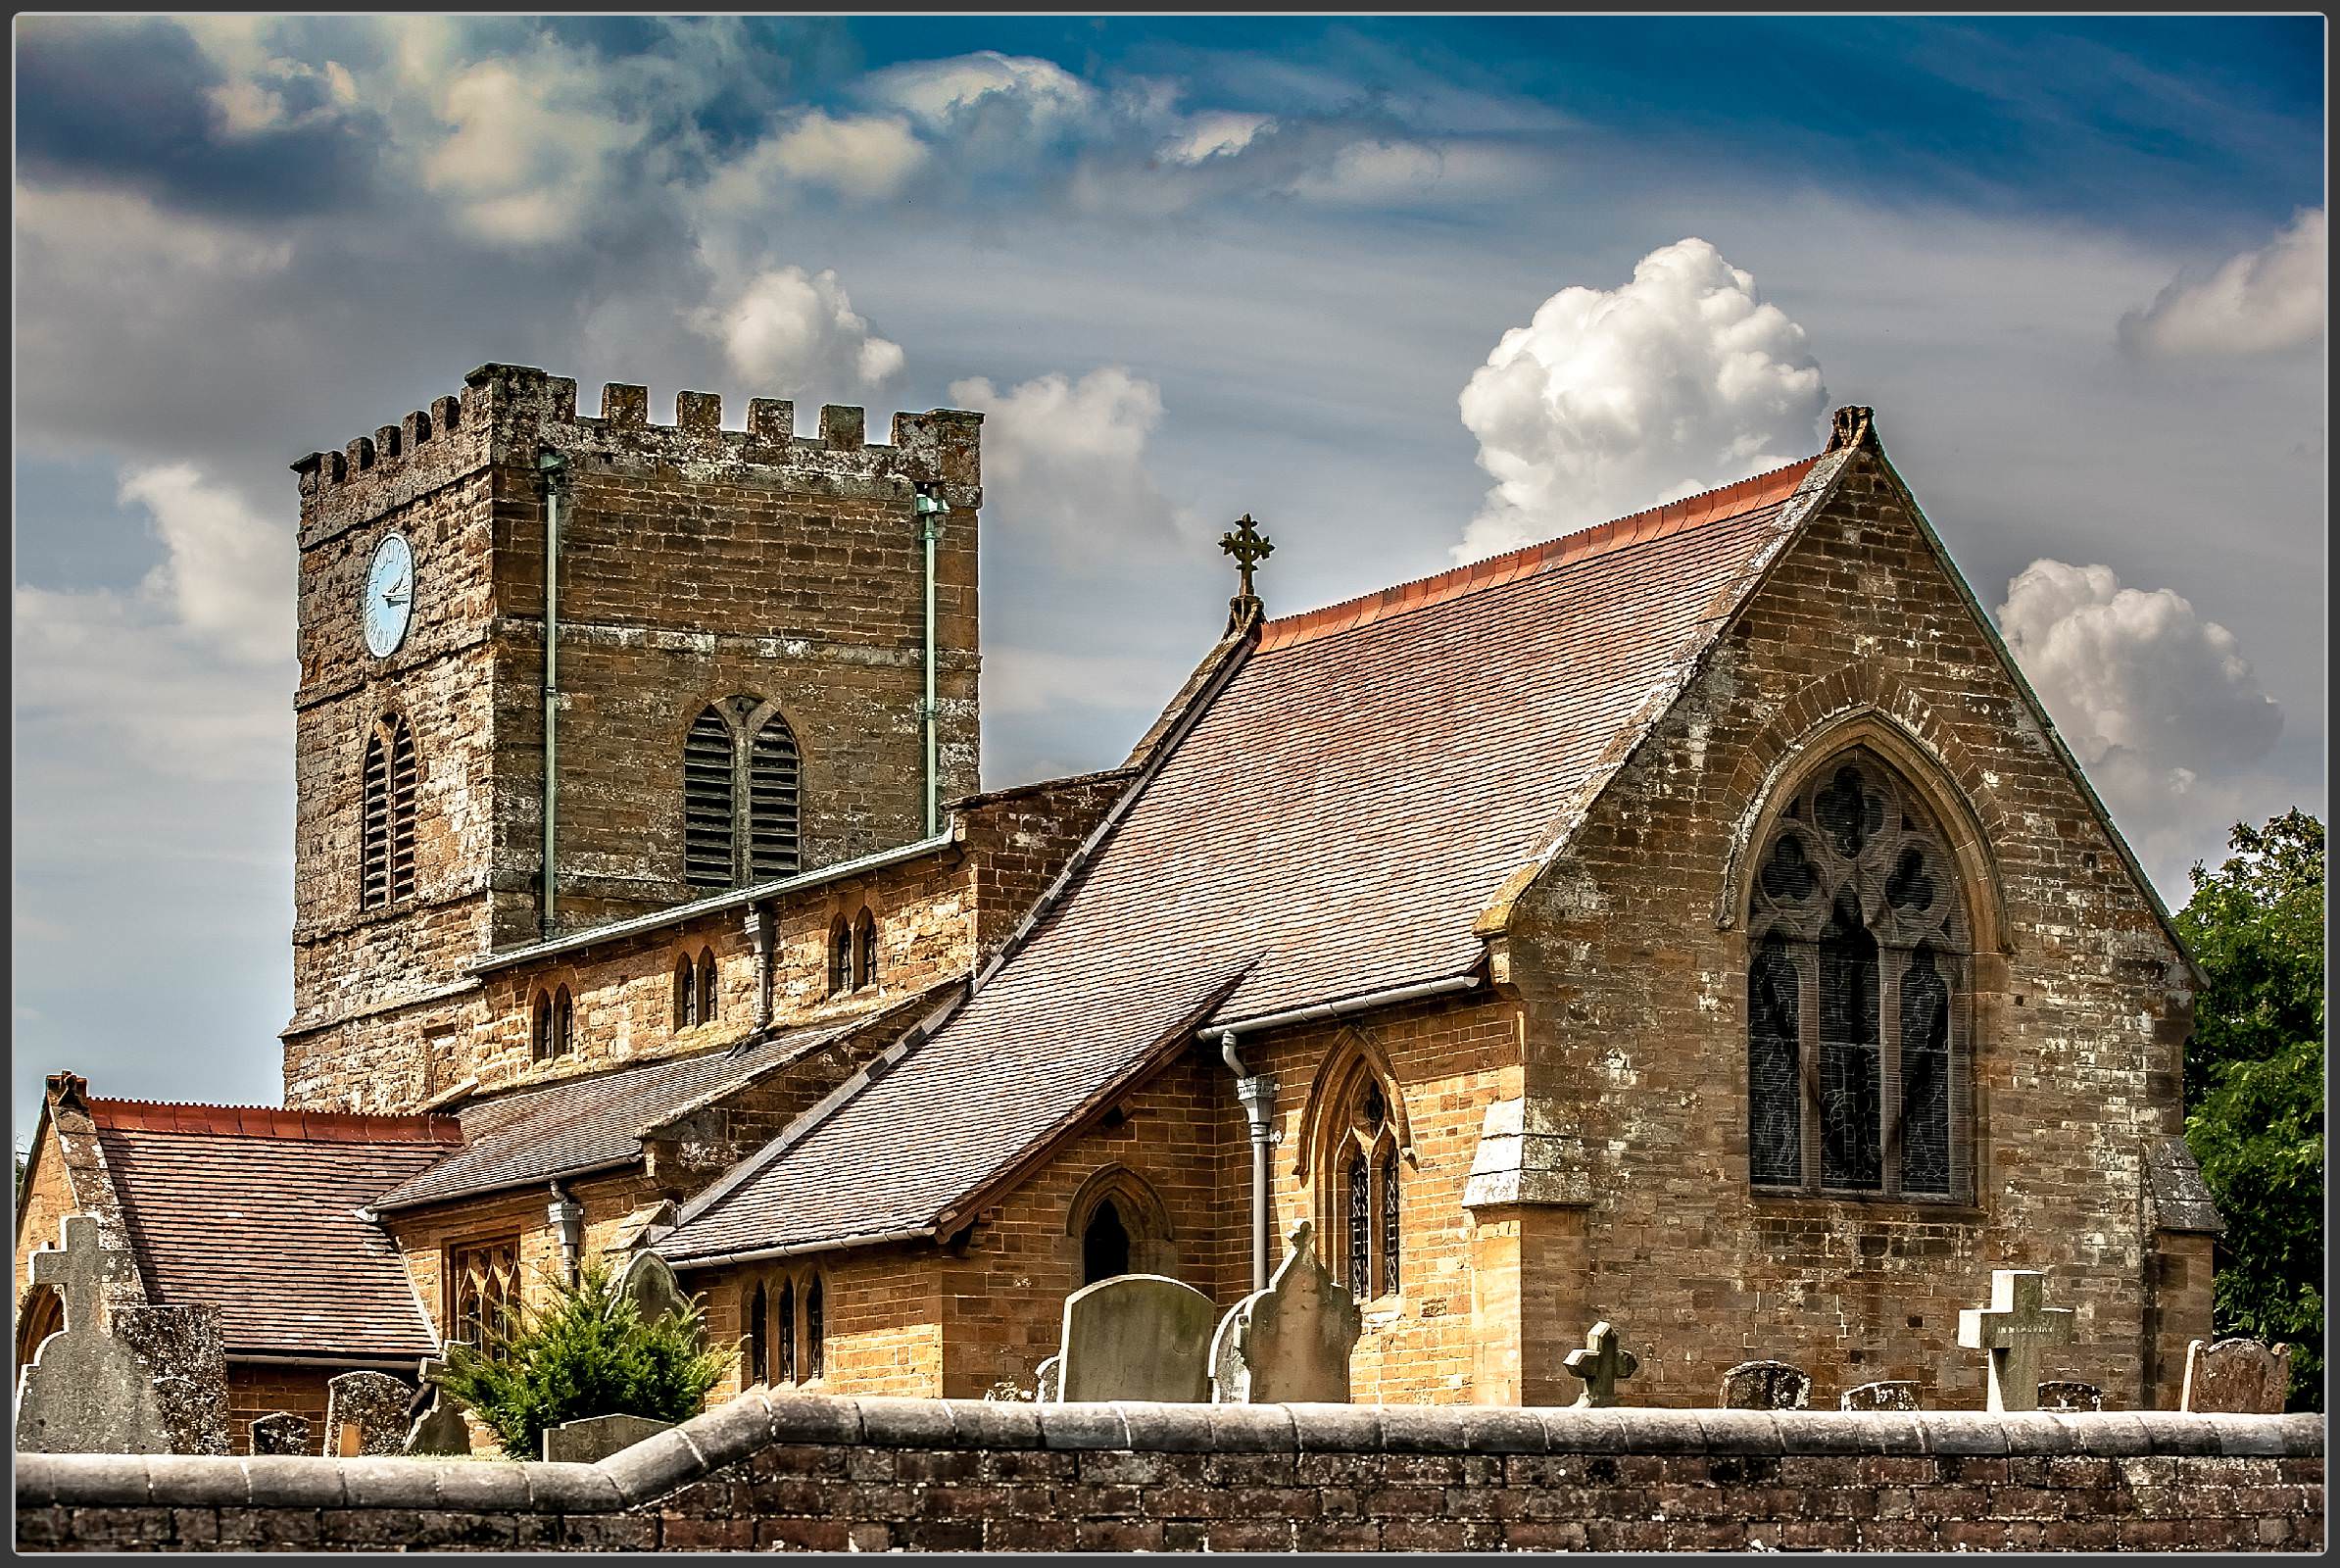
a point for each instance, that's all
(587, 1352)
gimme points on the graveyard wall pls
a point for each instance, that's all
(1631, 958)
(928, 1475)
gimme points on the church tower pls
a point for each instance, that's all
(745, 628)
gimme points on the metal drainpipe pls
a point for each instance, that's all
(1258, 1098)
(553, 467)
(759, 932)
(568, 1217)
(930, 507)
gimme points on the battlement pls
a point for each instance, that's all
(515, 412)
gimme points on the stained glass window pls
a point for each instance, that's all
(1857, 951)
(1389, 1222)
(1360, 1226)
(484, 1293)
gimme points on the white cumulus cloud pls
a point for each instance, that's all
(227, 574)
(2257, 303)
(531, 150)
(938, 91)
(2157, 702)
(1068, 459)
(1613, 400)
(788, 332)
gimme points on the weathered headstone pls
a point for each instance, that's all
(1291, 1342)
(280, 1432)
(2014, 1328)
(598, 1437)
(1136, 1337)
(2066, 1394)
(1602, 1363)
(86, 1392)
(1890, 1395)
(365, 1413)
(436, 1422)
(1766, 1385)
(1046, 1380)
(2236, 1377)
(652, 1287)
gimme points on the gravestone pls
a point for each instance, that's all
(1291, 1342)
(1890, 1395)
(1602, 1363)
(437, 1422)
(84, 1391)
(2066, 1394)
(2236, 1377)
(1136, 1337)
(652, 1287)
(2014, 1328)
(280, 1432)
(1766, 1385)
(1046, 1380)
(365, 1414)
(598, 1437)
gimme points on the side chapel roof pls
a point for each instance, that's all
(255, 1210)
(1347, 802)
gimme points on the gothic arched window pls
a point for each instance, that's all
(1367, 1196)
(686, 993)
(1856, 991)
(560, 1035)
(865, 950)
(1104, 1244)
(840, 957)
(816, 1348)
(707, 985)
(540, 1026)
(386, 815)
(756, 1344)
(784, 1333)
(707, 801)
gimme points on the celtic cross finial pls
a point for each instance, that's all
(1249, 546)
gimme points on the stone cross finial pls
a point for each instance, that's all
(79, 1271)
(2014, 1328)
(1602, 1363)
(1249, 546)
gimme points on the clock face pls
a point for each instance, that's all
(389, 595)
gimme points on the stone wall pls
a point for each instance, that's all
(964, 1476)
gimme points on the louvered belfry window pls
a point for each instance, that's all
(1857, 1050)
(740, 797)
(708, 796)
(386, 815)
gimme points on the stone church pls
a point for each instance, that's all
(1693, 921)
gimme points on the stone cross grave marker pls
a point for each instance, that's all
(84, 1391)
(2014, 1328)
(1136, 1337)
(1292, 1342)
(1890, 1395)
(280, 1432)
(2066, 1393)
(2236, 1377)
(1766, 1385)
(1602, 1363)
(365, 1413)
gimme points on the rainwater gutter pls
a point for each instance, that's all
(930, 507)
(553, 467)
(914, 1233)
(1338, 1009)
(377, 1363)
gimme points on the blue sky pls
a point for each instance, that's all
(1407, 289)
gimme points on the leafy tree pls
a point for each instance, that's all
(2253, 1076)
(587, 1352)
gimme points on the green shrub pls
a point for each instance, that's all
(587, 1352)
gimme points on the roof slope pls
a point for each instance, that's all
(1331, 827)
(255, 1212)
(593, 1123)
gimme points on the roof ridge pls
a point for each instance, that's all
(1746, 495)
(272, 1121)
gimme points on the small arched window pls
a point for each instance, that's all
(707, 985)
(386, 814)
(564, 1025)
(1857, 1076)
(756, 1344)
(865, 962)
(784, 1333)
(708, 796)
(540, 1027)
(1104, 1244)
(686, 993)
(817, 1349)
(840, 957)
(773, 835)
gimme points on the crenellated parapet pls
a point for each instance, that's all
(513, 413)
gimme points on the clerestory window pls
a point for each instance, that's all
(1857, 995)
(740, 778)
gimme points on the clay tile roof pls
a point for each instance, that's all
(589, 1123)
(1333, 823)
(255, 1212)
